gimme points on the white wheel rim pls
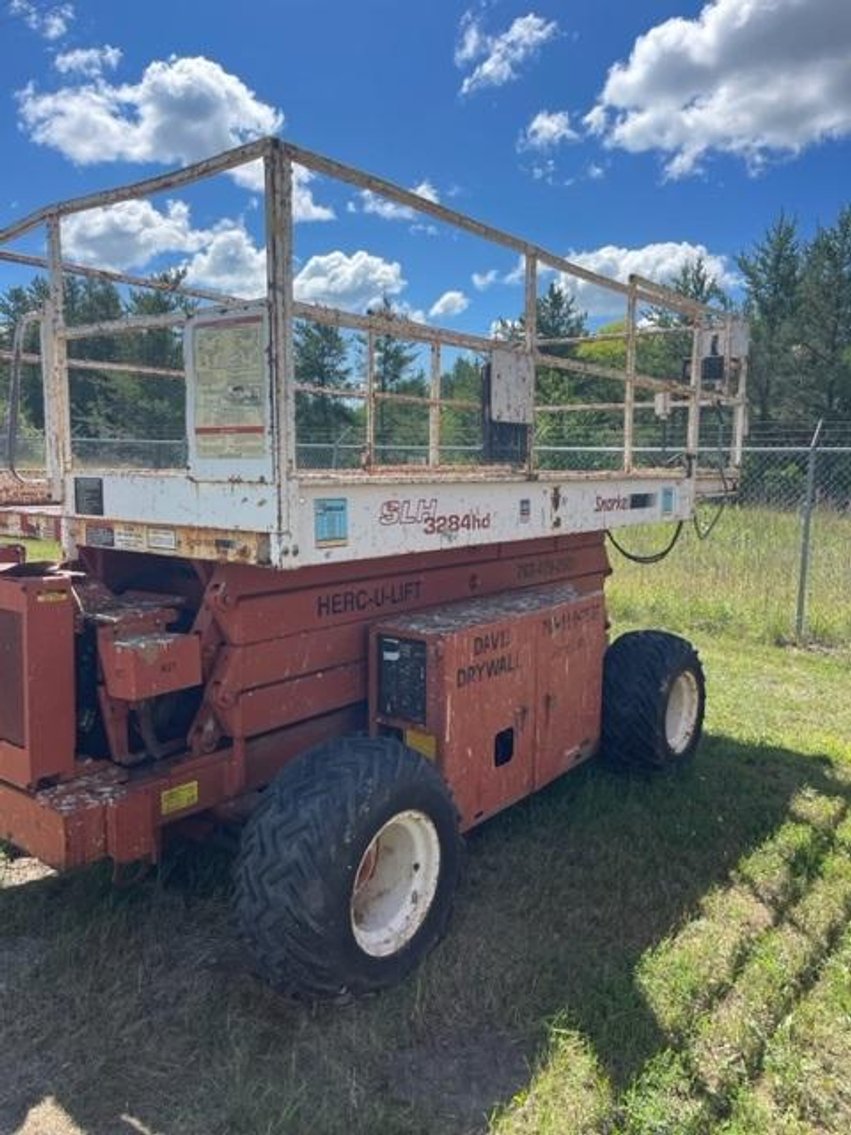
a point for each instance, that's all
(395, 884)
(682, 712)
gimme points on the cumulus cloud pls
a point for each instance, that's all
(181, 110)
(230, 262)
(50, 22)
(88, 61)
(753, 78)
(449, 304)
(547, 130)
(498, 58)
(379, 206)
(305, 208)
(661, 262)
(130, 234)
(133, 234)
(354, 282)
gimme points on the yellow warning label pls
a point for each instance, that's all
(425, 743)
(175, 799)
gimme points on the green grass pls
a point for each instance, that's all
(628, 955)
(743, 579)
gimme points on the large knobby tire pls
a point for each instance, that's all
(347, 869)
(654, 695)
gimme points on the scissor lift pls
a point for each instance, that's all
(206, 639)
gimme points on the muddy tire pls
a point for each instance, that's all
(347, 869)
(654, 695)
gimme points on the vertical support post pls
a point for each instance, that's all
(629, 388)
(434, 408)
(740, 414)
(279, 273)
(54, 352)
(806, 528)
(370, 398)
(530, 323)
(693, 432)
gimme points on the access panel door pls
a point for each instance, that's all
(570, 648)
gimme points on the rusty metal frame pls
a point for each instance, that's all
(278, 158)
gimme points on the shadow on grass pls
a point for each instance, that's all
(138, 1008)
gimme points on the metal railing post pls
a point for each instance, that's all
(370, 454)
(806, 527)
(279, 291)
(530, 321)
(434, 407)
(629, 388)
(54, 352)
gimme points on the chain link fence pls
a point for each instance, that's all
(784, 474)
(776, 563)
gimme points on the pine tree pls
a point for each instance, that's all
(822, 344)
(772, 273)
(321, 360)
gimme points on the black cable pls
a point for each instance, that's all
(704, 533)
(655, 557)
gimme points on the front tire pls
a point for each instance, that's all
(654, 696)
(347, 869)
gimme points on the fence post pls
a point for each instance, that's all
(809, 500)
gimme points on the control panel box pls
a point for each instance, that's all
(37, 707)
(502, 692)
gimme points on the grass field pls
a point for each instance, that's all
(744, 578)
(628, 955)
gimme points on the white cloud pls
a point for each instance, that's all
(304, 206)
(499, 56)
(50, 22)
(88, 61)
(753, 78)
(546, 130)
(353, 282)
(230, 262)
(450, 303)
(660, 262)
(483, 280)
(472, 42)
(380, 206)
(130, 234)
(182, 110)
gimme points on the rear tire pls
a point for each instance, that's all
(347, 869)
(654, 696)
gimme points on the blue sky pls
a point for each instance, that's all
(628, 136)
